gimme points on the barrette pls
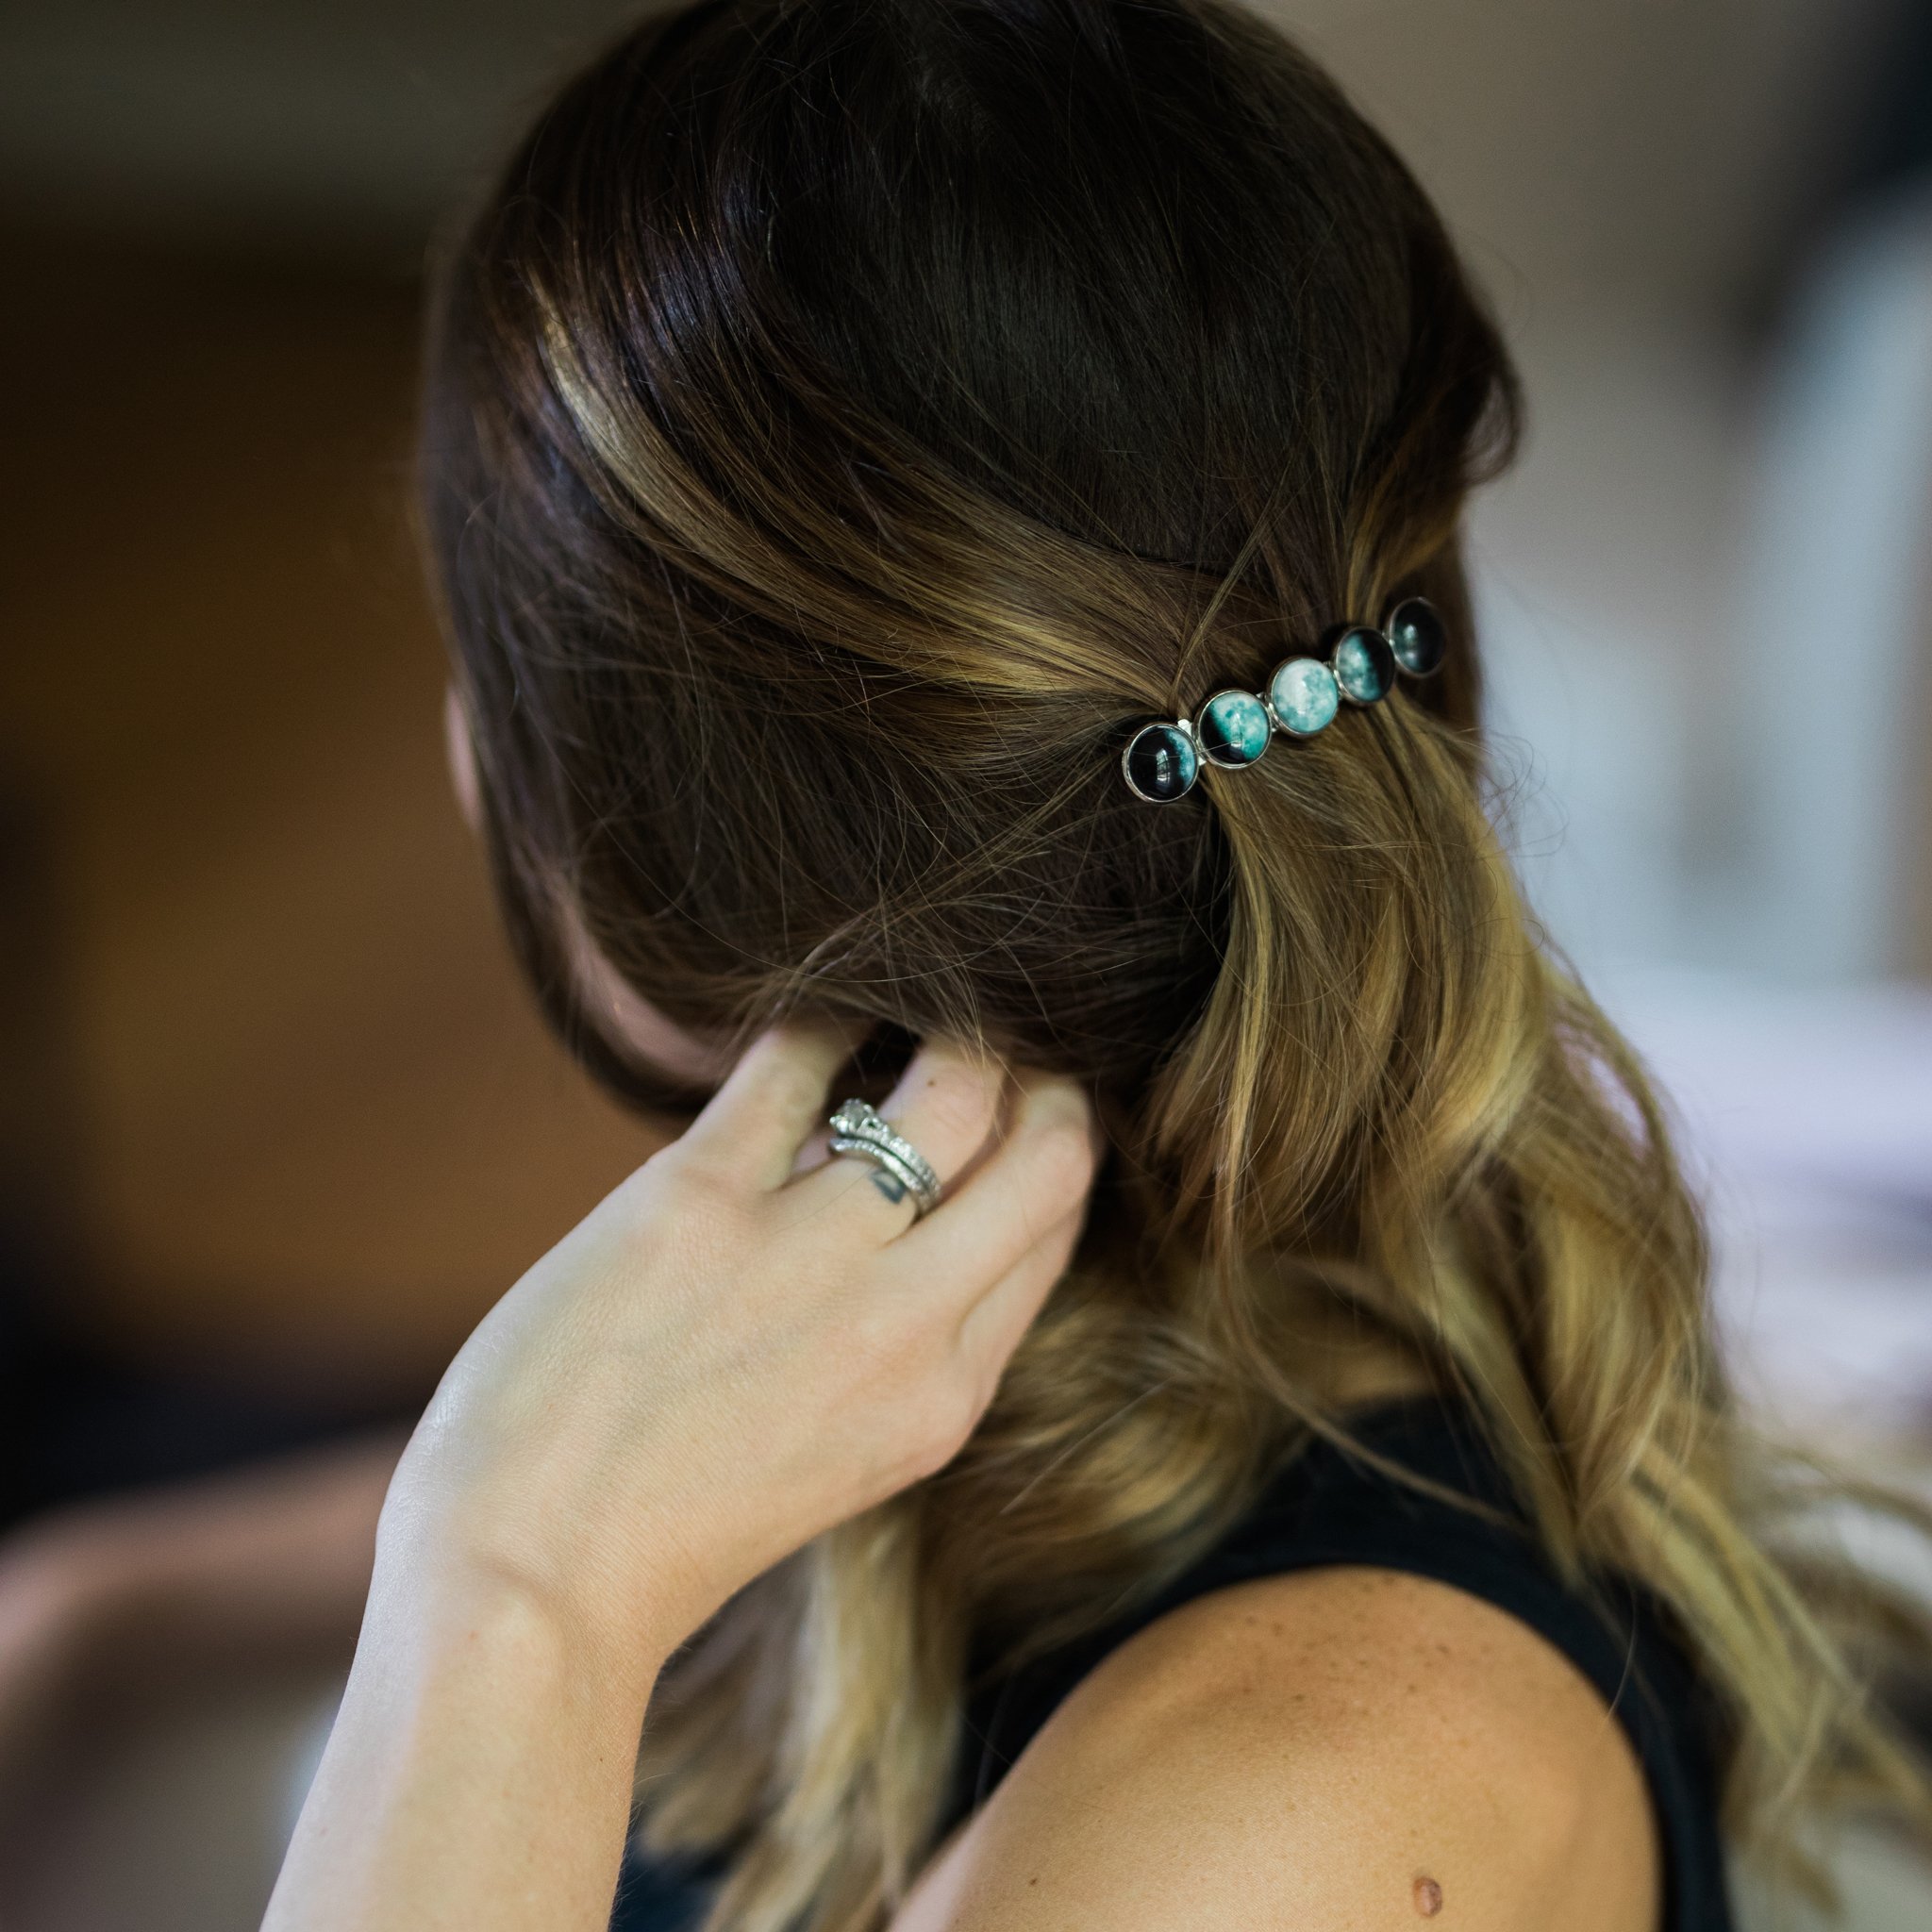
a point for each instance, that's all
(1301, 697)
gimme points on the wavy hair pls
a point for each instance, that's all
(845, 419)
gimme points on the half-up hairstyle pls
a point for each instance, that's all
(846, 421)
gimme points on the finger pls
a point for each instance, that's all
(946, 1104)
(1039, 1173)
(771, 1100)
(993, 1326)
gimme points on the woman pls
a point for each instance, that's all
(1284, 1476)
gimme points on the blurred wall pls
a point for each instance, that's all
(1657, 150)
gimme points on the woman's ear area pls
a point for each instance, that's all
(631, 1022)
(460, 749)
(626, 1016)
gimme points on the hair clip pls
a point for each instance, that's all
(1303, 695)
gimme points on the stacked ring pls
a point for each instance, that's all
(858, 1128)
(1303, 695)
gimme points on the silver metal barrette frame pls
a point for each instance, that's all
(1304, 695)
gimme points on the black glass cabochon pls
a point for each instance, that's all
(1160, 763)
(1417, 635)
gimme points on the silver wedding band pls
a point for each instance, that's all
(857, 1128)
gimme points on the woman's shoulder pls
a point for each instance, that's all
(1337, 1745)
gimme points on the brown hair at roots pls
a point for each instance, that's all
(847, 419)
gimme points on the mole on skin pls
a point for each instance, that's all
(1428, 1897)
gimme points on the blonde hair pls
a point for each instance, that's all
(800, 601)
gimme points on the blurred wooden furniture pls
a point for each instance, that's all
(319, 1126)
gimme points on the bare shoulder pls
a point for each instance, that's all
(1345, 1747)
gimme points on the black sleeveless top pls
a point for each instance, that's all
(1327, 1508)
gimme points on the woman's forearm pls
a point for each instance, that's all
(478, 1776)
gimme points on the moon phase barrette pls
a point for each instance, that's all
(1303, 695)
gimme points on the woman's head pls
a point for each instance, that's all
(847, 421)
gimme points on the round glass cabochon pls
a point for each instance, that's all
(1232, 728)
(1364, 664)
(1302, 696)
(1417, 635)
(1159, 763)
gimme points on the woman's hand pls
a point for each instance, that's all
(734, 1351)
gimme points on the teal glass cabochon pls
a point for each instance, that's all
(1303, 695)
(1363, 663)
(1232, 728)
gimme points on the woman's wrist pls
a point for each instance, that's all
(484, 1731)
(465, 1581)
(442, 1636)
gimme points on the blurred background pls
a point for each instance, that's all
(277, 1123)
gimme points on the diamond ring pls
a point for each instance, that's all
(857, 1128)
